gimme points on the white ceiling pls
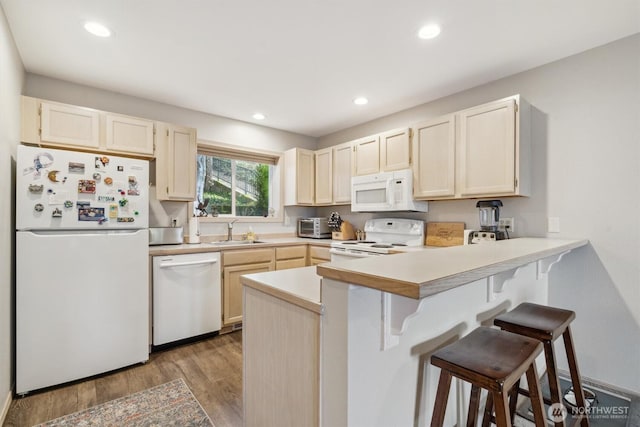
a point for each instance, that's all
(301, 62)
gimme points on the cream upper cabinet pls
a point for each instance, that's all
(493, 149)
(366, 152)
(299, 177)
(176, 151)
(324, 176)
(69, 125)
(395, 149)
(434, 158)
(128, 134)
(387, 151)
(342, 165)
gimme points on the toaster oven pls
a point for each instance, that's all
(314, 228)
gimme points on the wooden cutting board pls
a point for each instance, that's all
(445, 233)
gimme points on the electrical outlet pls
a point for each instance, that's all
(506, 224)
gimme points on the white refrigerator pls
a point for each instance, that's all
(82, 265)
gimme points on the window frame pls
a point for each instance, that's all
(211, 148)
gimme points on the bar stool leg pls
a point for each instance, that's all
(442, 395)
(513, 400)
(535, 394)
(474, 404)
(552, 375)
(501, 402)
(488, 411)
(575, 376)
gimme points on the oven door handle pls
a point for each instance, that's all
(350, 254)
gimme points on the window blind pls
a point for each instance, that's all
(236, 153)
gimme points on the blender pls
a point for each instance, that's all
(489, 211)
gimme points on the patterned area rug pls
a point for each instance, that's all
(170, 404)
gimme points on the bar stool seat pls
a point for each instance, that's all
(493, 360)
(547, 324)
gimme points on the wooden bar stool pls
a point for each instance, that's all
(546, 324)
(493, 360)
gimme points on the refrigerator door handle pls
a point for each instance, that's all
(181, 264)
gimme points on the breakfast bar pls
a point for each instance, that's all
(378, 320)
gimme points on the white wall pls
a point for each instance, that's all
(586, 172)
(211, 128)
(11, 82)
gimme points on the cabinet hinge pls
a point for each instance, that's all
(516, 108)
(515, 181)
(40, 110)
(167, 189)
(154, 130)
(167, 132)
(354, 148)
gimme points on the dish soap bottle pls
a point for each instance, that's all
(251, 236)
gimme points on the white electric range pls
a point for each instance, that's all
(384, 236)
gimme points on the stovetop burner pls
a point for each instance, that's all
(356, 242)
(381, 245)
(398, 244)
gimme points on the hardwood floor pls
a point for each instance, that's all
(211, 368)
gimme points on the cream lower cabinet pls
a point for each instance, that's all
(176, 151)
(318, 254)
(291, 257)
(299, 177)
(235, 264)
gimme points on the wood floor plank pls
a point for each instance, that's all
(212, 369)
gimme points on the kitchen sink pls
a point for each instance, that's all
(236, 242)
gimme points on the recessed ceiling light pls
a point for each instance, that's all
(430, 31)
(259, 116)
(361, 100)
(97, 29)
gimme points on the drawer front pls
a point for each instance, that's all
(291, 263)
(321, 252)
(250, 256)
(290, 252)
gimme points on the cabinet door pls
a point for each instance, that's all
(305, 170)
(232, 290)
(395, 150)
(342, 173)
(69, 125)
(176, 163)
(434, 158)
(129, 134)
(487, 149)
(324, 177)
(367, 155)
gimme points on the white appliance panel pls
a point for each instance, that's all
(82, 304)
(80, 189)
(186, 296)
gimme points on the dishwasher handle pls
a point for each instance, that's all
(186, 263)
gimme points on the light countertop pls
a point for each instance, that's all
(422, 273)
(190, 248)
(299, 286)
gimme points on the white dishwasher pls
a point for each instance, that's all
(186, 296)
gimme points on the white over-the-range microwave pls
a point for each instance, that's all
(385, 192)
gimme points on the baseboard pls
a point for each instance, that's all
(5, 407)
(612, 389)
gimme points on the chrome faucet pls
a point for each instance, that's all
(230, 230)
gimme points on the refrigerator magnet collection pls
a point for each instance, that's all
(116, 188)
